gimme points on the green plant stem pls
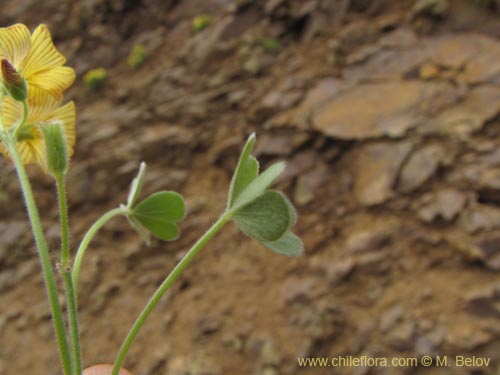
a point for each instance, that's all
(73, 322)
(162, 289)
(88, 238)
(41, 244)
(63, 212)
(23, 119)
(66, 274)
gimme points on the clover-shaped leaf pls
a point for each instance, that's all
(262, 214)
(268, 219)
(159, 214)
(246, 184)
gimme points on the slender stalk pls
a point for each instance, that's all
(162, 289)
(66, 274)
(41, 244)
(63, 212)
(23, 119)
(74, 336)
(88, 238)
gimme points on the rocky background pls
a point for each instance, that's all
(388, 115)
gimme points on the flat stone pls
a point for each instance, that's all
(316, 97)
(488, 248)
(453, 51)
(420, 167)
(387, 64)
(391, 317)
(485, 302)
(488, 185)
(477, 55)
(436, 8)
(378, 165)
(368, 239)
(445, 205)
(480, 105)
(375, 110)
(480, 217)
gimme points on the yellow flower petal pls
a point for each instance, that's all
(15, 43)
(33, 150)
(54, 81)
(43, 55)
(40, 105)
(12, 111)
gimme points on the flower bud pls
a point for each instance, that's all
(14, 82)
(56, 150)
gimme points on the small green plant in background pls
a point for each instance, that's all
(201, 22)
(270, 44)
(95, 78)
(137, 56)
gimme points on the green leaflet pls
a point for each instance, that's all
(245, 172)
(259, 185)
(136, 186)
(289, 245)
(159, 213)
(267, 218)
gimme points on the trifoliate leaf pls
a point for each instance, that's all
(246, 171)
(159, 214)
(289, 245)
(267, 218)
(259, 185)
(136, 186)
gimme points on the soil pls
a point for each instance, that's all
(388, 114)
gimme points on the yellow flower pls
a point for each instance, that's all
(36, 58)
(42, 109)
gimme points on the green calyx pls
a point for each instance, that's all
(14, 83)
(56, 149)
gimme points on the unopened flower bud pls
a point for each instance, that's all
(14, 82)
(56, 150)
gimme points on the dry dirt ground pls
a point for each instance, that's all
(388, 115)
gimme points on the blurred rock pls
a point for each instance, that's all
(485, 302)
(376, 115)
(208, 324)
(368, 239)
(378, 166)
(488, 248)
(402, 337)
(444, 204)
(420, 167)
(480, 217)
(391, 317)
(479, 106)
(435, 8)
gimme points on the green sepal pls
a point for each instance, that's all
(159, 214)
(267, 218)
(289, 244)
(56, 150)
